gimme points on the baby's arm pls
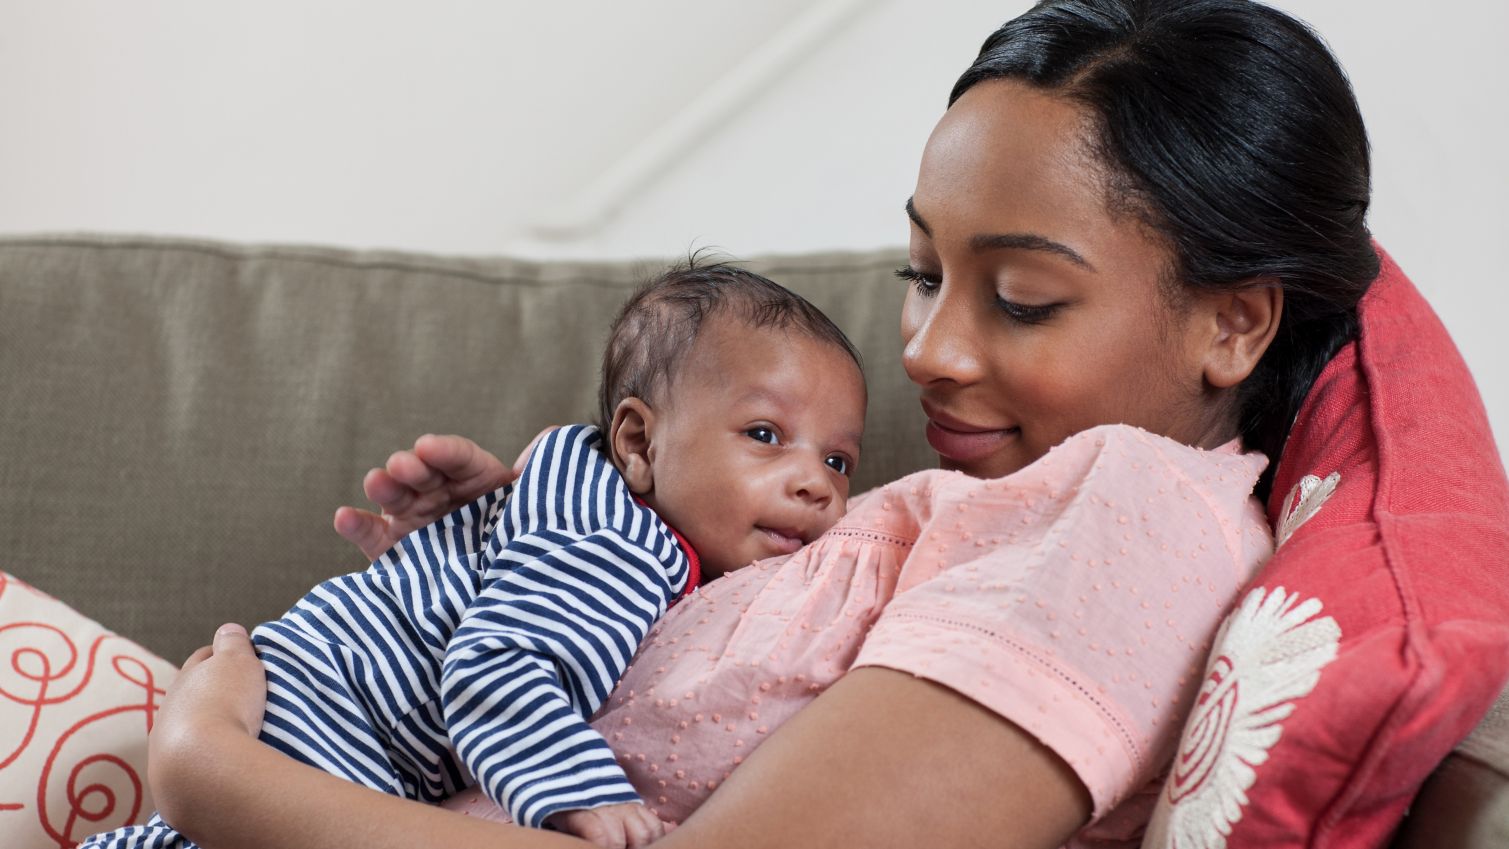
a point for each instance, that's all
(566, 599)
(535, 654)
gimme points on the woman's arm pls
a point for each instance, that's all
(233, 792)
(221, 787)
(880, 760)
(883, 759)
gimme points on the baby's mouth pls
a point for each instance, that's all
(784, 540)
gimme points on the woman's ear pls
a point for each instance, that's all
(629, 437)
(1245, 322)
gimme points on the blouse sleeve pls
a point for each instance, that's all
(1080, 595)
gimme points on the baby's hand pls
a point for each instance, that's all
(624, 826)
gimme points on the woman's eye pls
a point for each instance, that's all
(763, 434)
(1027, 313)
(838, 463)
(925, 284)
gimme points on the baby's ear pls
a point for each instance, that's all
(629, 438)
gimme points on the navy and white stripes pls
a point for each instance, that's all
(572, 582)
(479, 644)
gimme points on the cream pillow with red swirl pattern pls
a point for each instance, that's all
(76, 702)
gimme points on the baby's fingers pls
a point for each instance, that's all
(641, 828)
(622, 826)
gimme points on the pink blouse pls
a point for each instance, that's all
(1076, 598)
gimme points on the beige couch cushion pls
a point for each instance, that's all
(1465, 803)
(182, 418)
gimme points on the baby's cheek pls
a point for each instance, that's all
(716, 550)
(723, 558)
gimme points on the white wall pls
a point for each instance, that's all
(459, 126)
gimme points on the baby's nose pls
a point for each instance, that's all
(812, 485)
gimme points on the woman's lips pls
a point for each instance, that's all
(963, 442)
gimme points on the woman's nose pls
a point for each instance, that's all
(940, 340)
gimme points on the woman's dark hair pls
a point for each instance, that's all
(1230, 129)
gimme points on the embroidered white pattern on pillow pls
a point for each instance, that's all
(1302, 503)
(1269, 652)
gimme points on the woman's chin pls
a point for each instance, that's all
(989, 467)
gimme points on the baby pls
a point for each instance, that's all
(731, 412)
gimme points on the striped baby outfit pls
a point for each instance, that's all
(477, 646)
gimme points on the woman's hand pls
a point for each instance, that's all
(223, 788)
(221, 689)
(420, 485)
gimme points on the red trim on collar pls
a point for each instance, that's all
(693, 562)
(693, 565)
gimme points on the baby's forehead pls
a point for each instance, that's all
(744, 363)
(729, 339)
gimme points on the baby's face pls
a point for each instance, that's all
(754, 441)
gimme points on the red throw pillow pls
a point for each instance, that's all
(1378, 635)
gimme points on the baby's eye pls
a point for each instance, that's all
(763, 434)
(838, 463)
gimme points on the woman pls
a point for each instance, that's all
(1138, 212)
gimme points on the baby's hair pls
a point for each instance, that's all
(659, 324)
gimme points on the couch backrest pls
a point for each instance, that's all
(182, 418)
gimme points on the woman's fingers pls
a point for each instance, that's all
(364, 529)
(523, 458)
(418, 486)
(199, 656)
(218, 683)
(413, 472)
(222, 687)
(438, 472)
(232, 639)
(468, 469)
(237, 677)
(387, 492)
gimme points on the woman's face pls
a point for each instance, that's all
(1035, 311)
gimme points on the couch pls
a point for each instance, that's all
(180, 419)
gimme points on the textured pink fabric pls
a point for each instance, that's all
(1076, 597)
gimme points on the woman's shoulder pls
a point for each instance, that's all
(1179, 495)
(1103, 466)
(1120, 454)
(1114, 451)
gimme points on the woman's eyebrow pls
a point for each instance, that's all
(1030, 242)
(911, 212)
(1020, 241)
